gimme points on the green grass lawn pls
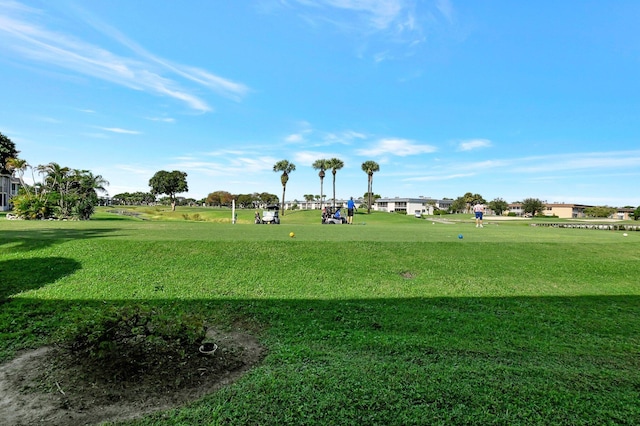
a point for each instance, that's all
(392, 321)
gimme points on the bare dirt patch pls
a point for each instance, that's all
(53, 386)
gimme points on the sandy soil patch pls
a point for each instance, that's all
(51, 386)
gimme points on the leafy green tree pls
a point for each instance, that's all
(599, 211)
(498, 205)
(7, 151)
(169, 183)
(532, 206)
(266, 198)
(57, 184)
(246, 201)
(220, 198)
(334, 164)
(370, 167)
(320, 164)
(374, 197)
(459, 205)
(285, 167)
(86, 193)
(636, 213)
(471, 199)
(64, 193)
(308, 198)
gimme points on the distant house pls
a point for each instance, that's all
(563, 211)
(623, 214)
(8, 188)
(315, 204)
(411, 206)
(566, 211)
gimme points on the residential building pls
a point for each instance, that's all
(565, 211)
(9, 186)
(411, 206)
(315, 204)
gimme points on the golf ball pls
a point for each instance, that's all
(625, 234)
(460, 236)
(291, 234)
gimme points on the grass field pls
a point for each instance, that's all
(392, 321)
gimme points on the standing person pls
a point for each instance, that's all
(478, 209)
(351, 206)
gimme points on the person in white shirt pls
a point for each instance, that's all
(478, 209)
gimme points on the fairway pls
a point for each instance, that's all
(391, 321)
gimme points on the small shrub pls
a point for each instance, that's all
(32, 207)
(134, 336)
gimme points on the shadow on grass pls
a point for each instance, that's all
(466, 360)
(33, 239)
(20, 275)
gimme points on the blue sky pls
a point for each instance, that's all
(507, 99)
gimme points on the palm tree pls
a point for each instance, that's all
(18, 166)
(335, 164)
(285, 167)
(370, 167)
(88, 186)
(321, 165)
(308, 198)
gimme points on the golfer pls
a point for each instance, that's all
(478, 209)
(351, 206)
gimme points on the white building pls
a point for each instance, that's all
(411, 206)
(8, 188)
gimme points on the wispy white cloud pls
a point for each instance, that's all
(397, 147)
(395, 18)
(162, 119)
(439, 177)
(379, 13)
(22, 36)
(446, 9)
(592, 161)
(307, 158)
(227, 165)
(135, 169)
(121, 131)
(317, 138)
(294, 138)
(473, 144)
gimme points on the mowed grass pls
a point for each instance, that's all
(392, 321)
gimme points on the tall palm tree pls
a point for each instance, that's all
(370, 167)
(321, 165)
(285, 167)
(334, 164)
(18, 166)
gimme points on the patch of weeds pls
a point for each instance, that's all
(134, 339)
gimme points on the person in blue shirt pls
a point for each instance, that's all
(351, 206)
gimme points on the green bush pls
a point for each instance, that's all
(32, 207)
(133, 335)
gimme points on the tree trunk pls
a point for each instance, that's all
(334, 190)
(370, 195)
(284, 188)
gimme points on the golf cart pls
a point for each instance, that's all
(269, 215)
(331, 217)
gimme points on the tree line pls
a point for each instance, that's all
(323, 165)
(61, 193)
(65, 193)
